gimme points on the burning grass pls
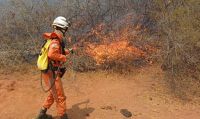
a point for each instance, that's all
(118, 46)
(116, 50)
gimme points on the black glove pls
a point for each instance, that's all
(62, 72)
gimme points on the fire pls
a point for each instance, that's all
(117, 50)
(118, 42)
(115, 46)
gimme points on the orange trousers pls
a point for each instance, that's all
(55, 94)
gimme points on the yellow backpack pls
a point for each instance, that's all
(42, 62)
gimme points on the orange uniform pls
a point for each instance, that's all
(56, 93)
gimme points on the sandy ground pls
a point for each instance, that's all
(96, 95)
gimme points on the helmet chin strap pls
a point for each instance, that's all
(64, 31)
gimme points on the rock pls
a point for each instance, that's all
(108, 107)
(87, 114)
(150, 98)
(126, 113)
(11, 86)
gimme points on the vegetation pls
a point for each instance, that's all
(178, 23)
(169, 27)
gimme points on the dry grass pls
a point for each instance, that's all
(170, 27)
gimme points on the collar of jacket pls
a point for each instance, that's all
(52, 35)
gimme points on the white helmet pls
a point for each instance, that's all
(61, 22)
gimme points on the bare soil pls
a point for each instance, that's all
(97, 95)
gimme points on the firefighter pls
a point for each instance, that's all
(56, 56)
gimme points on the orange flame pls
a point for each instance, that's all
(117, 43)
(118, 50)
(115, 46)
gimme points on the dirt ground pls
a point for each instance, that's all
(97, 95)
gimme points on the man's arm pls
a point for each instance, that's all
(54, 52)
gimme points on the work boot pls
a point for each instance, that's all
(43, 115)
(64, 116)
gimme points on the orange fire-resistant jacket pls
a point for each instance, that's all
(55, 50)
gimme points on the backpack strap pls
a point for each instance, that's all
(62, 44)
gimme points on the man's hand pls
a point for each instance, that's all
(72, 50)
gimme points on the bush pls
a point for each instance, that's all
(25, 21)
(178, 27)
